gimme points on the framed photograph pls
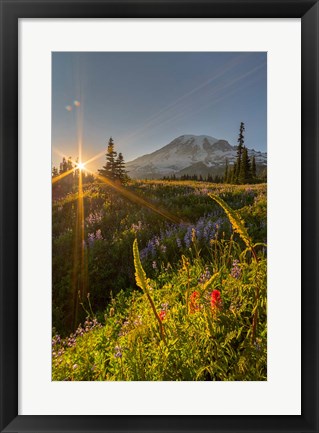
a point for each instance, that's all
(159, 216)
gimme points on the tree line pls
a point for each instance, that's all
(243, 170)
(114, 169)
(198, 178)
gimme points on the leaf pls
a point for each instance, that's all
(140, 275)
(185, 263)
(202, 370)
(142, 282)
(260, 244)
(236, 222)
(210, 281)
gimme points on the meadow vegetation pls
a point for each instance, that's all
(175, 290)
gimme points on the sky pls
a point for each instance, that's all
(144, 100)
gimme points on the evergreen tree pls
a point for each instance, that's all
(240, 147)
(77, 172)
(226, 172)
(245, 168)
(253, 168)
(69, 165)
(234, 174)
(240, 139)
(63, 166)
(109, 170)
(120, 168)
(65, 184)
(248, 168)
(87, 177)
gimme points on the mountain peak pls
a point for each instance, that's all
(185, 152)
(196, 139)
(190, 136)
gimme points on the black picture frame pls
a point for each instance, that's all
(11, 11)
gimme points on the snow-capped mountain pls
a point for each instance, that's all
(189, 154)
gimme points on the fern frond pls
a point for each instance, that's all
(140, 275)
(235, 220)
(239, 227)
(142, 282)
(210, 281)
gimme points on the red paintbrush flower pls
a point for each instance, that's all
(216, 300)
(162, 315)
(193, 302)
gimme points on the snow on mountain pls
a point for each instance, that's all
(184, 154)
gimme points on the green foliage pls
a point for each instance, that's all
(243, 170)
(112, 223)
(172, 329)
(244, 175)
(236, 222)
(140, 275)
(253, 168)
(114, 169)
(109, 169)
(143, 283)
(204, 345)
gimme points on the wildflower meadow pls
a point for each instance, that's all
(166, 281)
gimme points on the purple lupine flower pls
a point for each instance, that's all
(165, 306)
(205, 276)
(137, 227)
(56, 340)
(98, 234)
(235, 271)
(94, 218)
(91, 239)
(118, 352)
(188, 237)
(163, 249)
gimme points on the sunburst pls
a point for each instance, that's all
(80, 265)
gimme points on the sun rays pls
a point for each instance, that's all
(133, 197)
(80, 262)
(80, 269)
(81, 166)
(178, 106)
(62, 176)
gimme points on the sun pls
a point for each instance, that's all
(81, 166)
